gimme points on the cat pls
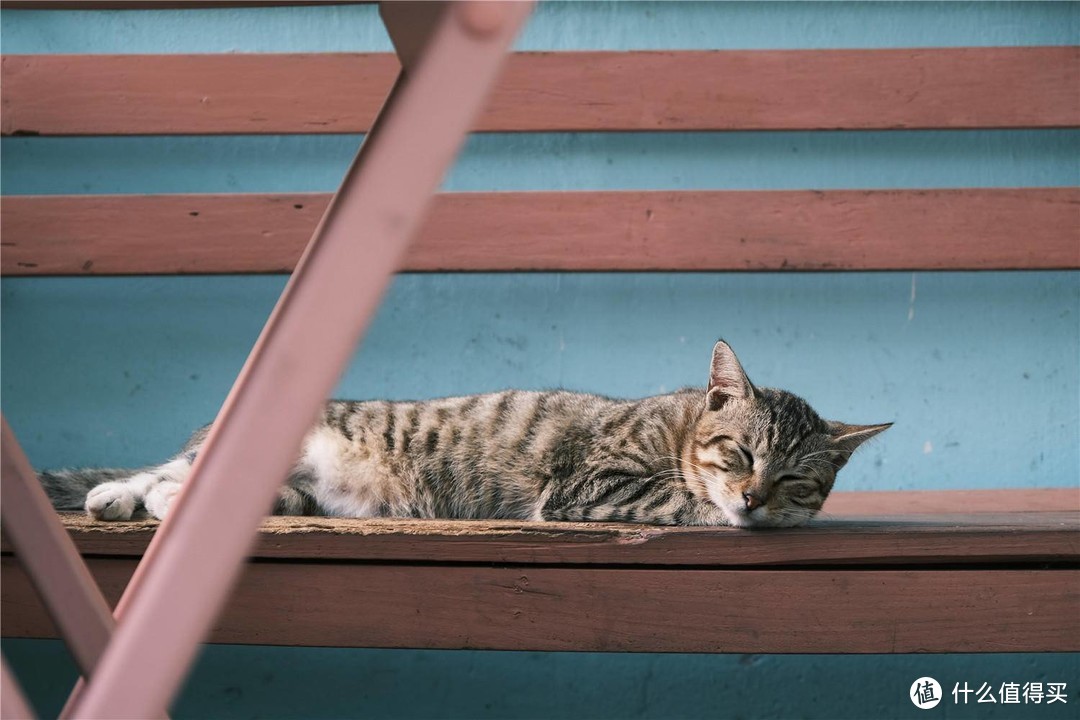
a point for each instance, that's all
(731, 454)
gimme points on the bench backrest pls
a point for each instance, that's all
(815, 90)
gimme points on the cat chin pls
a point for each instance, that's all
(740, 521)
(738, 518)
(759, 518)
(733, 512)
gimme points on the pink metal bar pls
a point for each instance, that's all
(196, 556)
(50, 557)
(410, 25)
(13, 705)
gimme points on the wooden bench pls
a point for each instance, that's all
(925, 229)
(882, 572)
(985, 571)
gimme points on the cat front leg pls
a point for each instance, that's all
(154, 489)
(159, 498)
(600, 496)
(113, 500)
(613, 495)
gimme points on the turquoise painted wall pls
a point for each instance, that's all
(979, 370)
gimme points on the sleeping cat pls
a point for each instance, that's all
(733, 454)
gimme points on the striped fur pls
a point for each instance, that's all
(729, 455)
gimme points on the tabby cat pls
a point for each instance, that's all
(733, 454)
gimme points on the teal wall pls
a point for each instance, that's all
(979, 370)
(259, 682)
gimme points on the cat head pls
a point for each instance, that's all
(763, 455)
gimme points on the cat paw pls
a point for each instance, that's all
(159, 499)
(110, 501)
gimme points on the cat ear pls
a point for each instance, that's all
(727, 379)
(846, 438)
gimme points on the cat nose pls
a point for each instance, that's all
(753, 501)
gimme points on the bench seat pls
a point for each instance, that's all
(880, 572)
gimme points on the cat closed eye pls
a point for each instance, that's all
(741, 454)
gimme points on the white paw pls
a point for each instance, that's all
(110, 501)
(159, 498)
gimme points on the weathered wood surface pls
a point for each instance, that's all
(1030, 228)
(931, 528)
(979, 87)
(927, 577)
(604, 609)
(879, 541)
(931, 502)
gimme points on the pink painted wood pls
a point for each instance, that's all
(50, 557)
(13, 705)
(661, 91)
(655, 230)
(195, 559)
(938, 502)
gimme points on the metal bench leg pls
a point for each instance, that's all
(50, 557)
(197, 554)
(13, 705)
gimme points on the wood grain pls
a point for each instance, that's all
(990, 580)
(981, 87)
(649, 610)
(947, 502)
(982, 229)
(1002, 527)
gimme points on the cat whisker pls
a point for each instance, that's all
(686, 462)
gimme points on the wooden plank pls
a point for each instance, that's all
(982, 229)
(942, 502)
(980, 87)
(639, 610)
(885, 541)
(906, 534)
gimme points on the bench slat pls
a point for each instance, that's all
(982, 229)
(979, 87)
(605, 609)
(1002, 578)
(858, 528)
(953, 502)
(873, 541)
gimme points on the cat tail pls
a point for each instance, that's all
(67, 489)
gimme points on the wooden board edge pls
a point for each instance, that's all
(631, 231)
(618, 610)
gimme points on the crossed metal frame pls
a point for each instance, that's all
(450, 54)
